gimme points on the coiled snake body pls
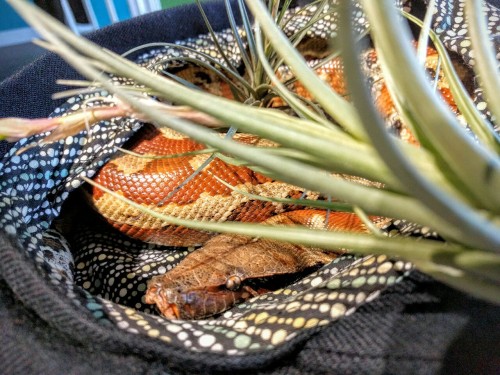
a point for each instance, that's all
(228, 269)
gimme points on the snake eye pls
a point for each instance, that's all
(233, 283)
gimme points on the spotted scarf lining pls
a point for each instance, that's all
(106, 273)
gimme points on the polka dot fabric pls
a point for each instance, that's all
(106, 273)
(449, 24)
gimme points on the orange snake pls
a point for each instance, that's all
(228, 269)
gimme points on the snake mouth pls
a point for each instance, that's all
(163, 301)
(171, 311)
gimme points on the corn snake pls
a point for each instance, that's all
(204, 285)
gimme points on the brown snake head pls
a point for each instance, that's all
(208, 281)
(229, 269)
(178, 303)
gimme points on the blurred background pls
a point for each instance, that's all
(82, 16)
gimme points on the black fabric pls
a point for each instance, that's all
(418, 326)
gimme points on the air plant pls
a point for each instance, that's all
(449, 183)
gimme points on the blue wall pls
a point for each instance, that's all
(102, 13)
(10, 20)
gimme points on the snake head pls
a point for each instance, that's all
(229, 269)
(195, 303)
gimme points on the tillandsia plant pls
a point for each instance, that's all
(449, 182)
